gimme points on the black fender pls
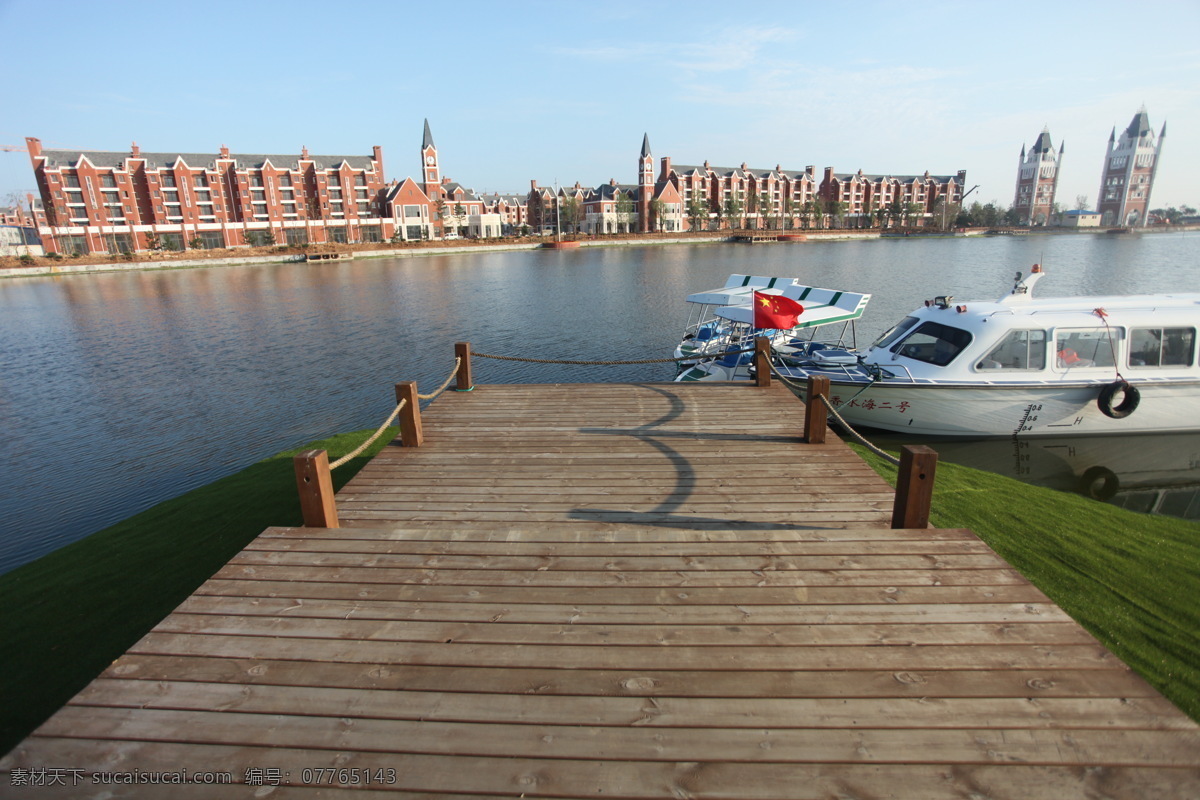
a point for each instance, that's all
(1099, 483)
(1129, 402)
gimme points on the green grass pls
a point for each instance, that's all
(70, 614)
(1132, 580)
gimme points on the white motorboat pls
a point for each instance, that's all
(723, 324)
(1021, 366)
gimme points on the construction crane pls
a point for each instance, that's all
(16, 148)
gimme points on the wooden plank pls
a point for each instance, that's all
(595, 778)
(753, 713)
(745, 597)
(644, 562)
(613, 549)
(584, 634)
(896, 657)
(865, 682)
(585, 532)
(645, 743)
(596, 614)
(678, 579)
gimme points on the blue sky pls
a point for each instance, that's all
(564, 91)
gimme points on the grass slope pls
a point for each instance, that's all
(71, 613)
(1132, 580)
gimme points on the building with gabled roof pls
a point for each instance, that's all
(862, 199)
(513, 210)
(763, 198)
(410, 210)
(612, 208)
(109, 202)
(1130, 166)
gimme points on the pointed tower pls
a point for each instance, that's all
(1130, 166)
(1037, 180)
(645, 184)
(429, 166)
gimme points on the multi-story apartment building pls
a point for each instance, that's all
(513, 210)
(860, 200)
(20, 215)
(1129, 169)
(1037, 180)
(99, 202)
(710, 197)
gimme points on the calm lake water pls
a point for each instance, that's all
(121, 390)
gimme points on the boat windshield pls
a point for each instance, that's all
(895, 332)
(933, 343)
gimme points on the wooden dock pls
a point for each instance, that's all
(631, 591)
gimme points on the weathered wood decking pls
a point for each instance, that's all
(622, 591)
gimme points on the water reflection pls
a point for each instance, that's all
(121, 390)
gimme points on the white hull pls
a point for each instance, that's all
(1014, 410)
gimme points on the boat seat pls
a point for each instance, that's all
(832, 356)
(734, 359)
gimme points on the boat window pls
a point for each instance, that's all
(1018, 350)
(1162, 347)
(895, 332)
(1087, 347)
(933, 343)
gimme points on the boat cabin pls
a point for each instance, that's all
(1041, 338)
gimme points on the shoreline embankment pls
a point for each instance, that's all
(290, 255)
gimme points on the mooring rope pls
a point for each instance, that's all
(432, 395)
(693, 357)
(858, 436)
(386, 423)
(1103, 315)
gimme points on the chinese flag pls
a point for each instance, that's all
(775, 311)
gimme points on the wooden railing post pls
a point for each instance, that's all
(464, 383)
(411, 434)
(914, 486)
(762, 361)
(815, 412)
(315, 486)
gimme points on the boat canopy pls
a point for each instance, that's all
(739, 289)
(821, 306)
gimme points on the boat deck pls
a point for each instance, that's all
(625, 591)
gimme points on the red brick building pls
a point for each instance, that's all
(1129, 169)
(1037, 180)
(20, 215)
(512, 209)
(98, 202)
(857, 200)
(712, 197)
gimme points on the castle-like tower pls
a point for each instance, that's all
(1129, 169)
(1037, 180)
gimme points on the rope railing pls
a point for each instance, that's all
(841, 421)
(693, 357)
(386, 424)
(454, 372)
